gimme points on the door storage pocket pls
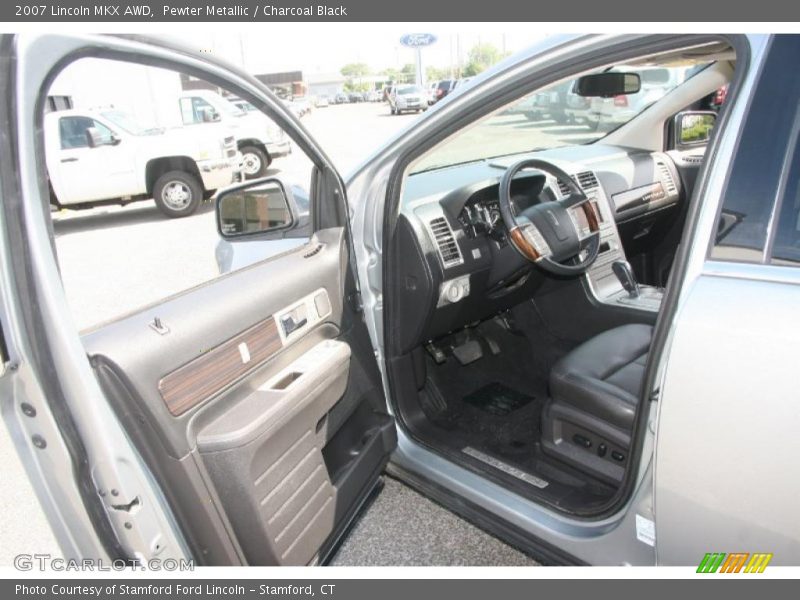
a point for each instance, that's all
(265, 459)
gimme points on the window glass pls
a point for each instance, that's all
(73, 132)
(786, 243)
(556, 116)
(752, 186)
(135, 222)
(196, 110)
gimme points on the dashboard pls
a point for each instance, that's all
(458, 265)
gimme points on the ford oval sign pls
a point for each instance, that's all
(417, 40)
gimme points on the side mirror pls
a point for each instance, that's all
(693, 128)
(608, 85)
(95, 139)
(209, 115)
(257, 207)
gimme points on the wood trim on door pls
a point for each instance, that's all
(196, 381)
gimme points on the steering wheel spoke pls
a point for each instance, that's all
(573, 199)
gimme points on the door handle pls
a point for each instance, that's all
(72, 159)
(290, 325)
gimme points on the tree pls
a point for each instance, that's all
(480, 58)
(409, 72)
(355, 72)
(392, 75)
(404, 75)
(436, 74)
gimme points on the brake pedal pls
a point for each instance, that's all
(468, 352)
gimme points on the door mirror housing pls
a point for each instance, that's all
(95, 139)
(693, 128)
(209, 115)
(256, 208)
(608, 85)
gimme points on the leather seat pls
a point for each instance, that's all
(603, 376)
(594, 392)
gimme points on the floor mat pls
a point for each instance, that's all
(497, 399)
(494, 406)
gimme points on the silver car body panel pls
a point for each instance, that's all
(728, 422)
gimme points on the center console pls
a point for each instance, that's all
(604, 284)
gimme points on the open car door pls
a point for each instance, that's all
(241, 421)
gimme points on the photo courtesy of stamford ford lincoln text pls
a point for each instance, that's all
(354, 299)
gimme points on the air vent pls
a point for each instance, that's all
(586, 180)
(449, 251)
(667, 180)
(694, 159)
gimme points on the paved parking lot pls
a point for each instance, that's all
(114, 260)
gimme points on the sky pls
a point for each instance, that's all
(325, 48)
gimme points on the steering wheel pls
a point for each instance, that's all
(550, 234)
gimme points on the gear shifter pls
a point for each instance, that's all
(622, 269)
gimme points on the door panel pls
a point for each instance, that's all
(727, 446)
(287, 433)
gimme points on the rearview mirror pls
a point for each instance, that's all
(256, 207)
(608, 85)
(693, 128)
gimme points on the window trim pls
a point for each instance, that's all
(780, 193)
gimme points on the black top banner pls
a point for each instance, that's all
(606, 11)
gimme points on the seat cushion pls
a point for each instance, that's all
(604, 375)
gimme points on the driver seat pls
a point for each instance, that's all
(594, 393)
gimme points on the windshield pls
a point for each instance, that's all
(127, 122)
(554, 117)
(412, 89)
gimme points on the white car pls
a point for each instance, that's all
(406, 98)
(106, 157)
(258, 138)
(655, 83)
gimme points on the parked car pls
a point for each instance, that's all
(555, 103)
(258, 138)
(303, 104)
(586, 346)
(655, 82)
(432, 92)
(718, 98)
(340, 98)
(461, 82)
(372, 96)
(243, 104)
(106, 157)
(443, 88)
(322, 101)
(405, 98)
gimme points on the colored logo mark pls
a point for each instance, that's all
(737, 562)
